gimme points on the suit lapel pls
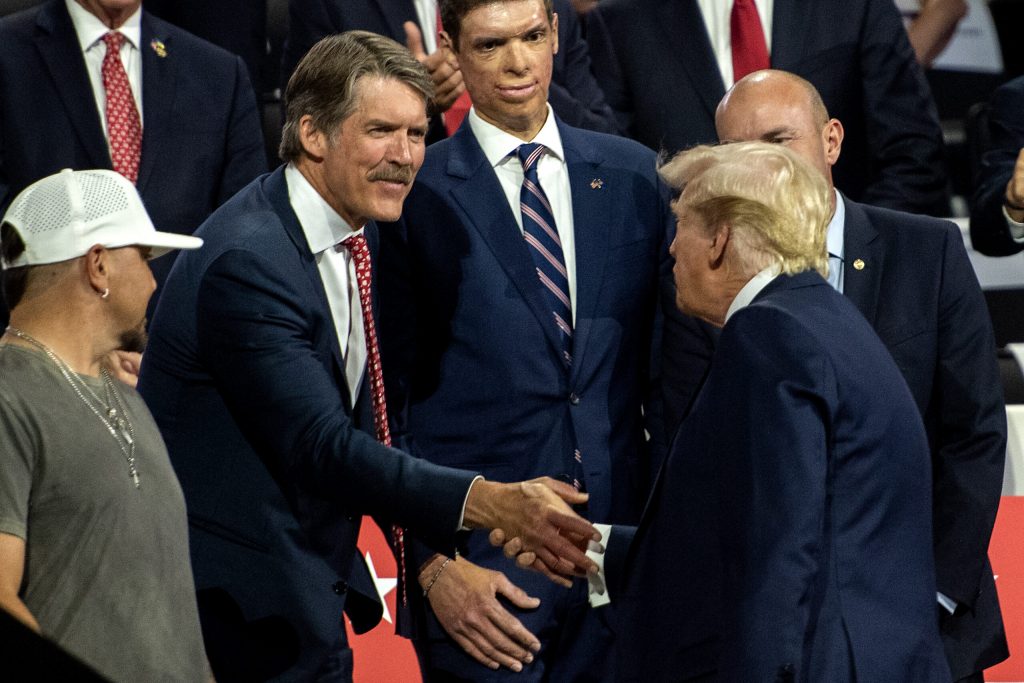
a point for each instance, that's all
(58, 46)
(861, 246)
(158, 89)
(276, 189)
(592, 204)
(697, 58)
(789, 21)
(494, 221)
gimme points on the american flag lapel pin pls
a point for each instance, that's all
(596, 184)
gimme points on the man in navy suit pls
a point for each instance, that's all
(574, 94)
(997, 208)
(911, 278)
(201, 138)
(263, 375)
(788, 536)
(515, 360)
(665, 64)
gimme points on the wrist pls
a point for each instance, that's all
(439, 568)
(480, 505)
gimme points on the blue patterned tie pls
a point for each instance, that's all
(545, 247)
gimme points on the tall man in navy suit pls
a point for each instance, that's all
(665, 64)
(518, 296)
(788, 536)
(911, 278)
(264, 376)
(201, 138)
(574, 93)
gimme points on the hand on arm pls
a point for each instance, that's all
(124, 366)
(464, 597)
(12, 567)
(1014, 200)
(441, 66)
(931, 30)
(536, 512)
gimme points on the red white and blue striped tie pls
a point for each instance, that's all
(544, 245)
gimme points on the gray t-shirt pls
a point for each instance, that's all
(107, 571)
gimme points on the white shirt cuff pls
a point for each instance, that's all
(947, 603)
(1016, 229)
(597, 593)
(462, 515)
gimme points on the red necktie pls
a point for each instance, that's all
(356, 245)
(749, 51)
(124, 127)
(460, 108)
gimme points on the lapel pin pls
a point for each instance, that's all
(159, 48)
(596, 184)
(858, 264)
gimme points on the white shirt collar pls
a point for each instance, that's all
(90, 29)
(321, 224)
(751, 289)
(835, 239)
(497, 145)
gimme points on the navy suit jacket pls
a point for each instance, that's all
(919, 292)
(655, 62)
(574, 94)
(473, 349)
(989, 232)
(245, 378)
(201, 139)
(788, 536)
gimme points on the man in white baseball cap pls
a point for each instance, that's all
(86, 488)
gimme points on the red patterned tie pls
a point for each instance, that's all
(124, 126)
(749, 51)
(460, 108)
(356, 245)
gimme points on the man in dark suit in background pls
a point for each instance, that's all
(190, 103)
(911, 278)
(997, 207)
(264, 376)
(665, 64)
(788, 534)
(574, 94)
(521, 308)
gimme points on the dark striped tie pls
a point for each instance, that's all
(545, 247)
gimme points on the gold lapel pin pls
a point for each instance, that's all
(159, 48)
(858, 264)
(596, 184)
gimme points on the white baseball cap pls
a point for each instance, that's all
(63, 215)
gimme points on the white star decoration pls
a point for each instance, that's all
(383, 586)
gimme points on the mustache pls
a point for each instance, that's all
(394, 174)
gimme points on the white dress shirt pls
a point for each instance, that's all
(835, 241)
(499, 148)
(716, 20)
(324, 230)
(90, 31)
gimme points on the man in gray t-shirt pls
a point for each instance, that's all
(93, 532)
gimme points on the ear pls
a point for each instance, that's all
(717, 246)
(313, 141)
(97, 268)
(554, 33)
(832, 141)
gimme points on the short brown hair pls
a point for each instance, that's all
(324, 83)
(453, 11)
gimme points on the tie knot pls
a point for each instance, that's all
(114, 40)
(529, 154)
(356, 245)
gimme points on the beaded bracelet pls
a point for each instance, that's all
(440, 569)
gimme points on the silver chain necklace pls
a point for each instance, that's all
(115, 419)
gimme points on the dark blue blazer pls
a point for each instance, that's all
(655, 62)
(919, 292)
(201, 139)
(478, 359)
(574, 94)
(788, 536)
(989, 233)
(245, 378)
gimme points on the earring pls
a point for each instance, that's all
(106, 293)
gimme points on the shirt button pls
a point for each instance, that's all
(574, 399)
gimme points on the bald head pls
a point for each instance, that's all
(781, 108)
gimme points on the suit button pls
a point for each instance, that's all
(340, 587)
(574, 398)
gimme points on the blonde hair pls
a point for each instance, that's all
(776, 205)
